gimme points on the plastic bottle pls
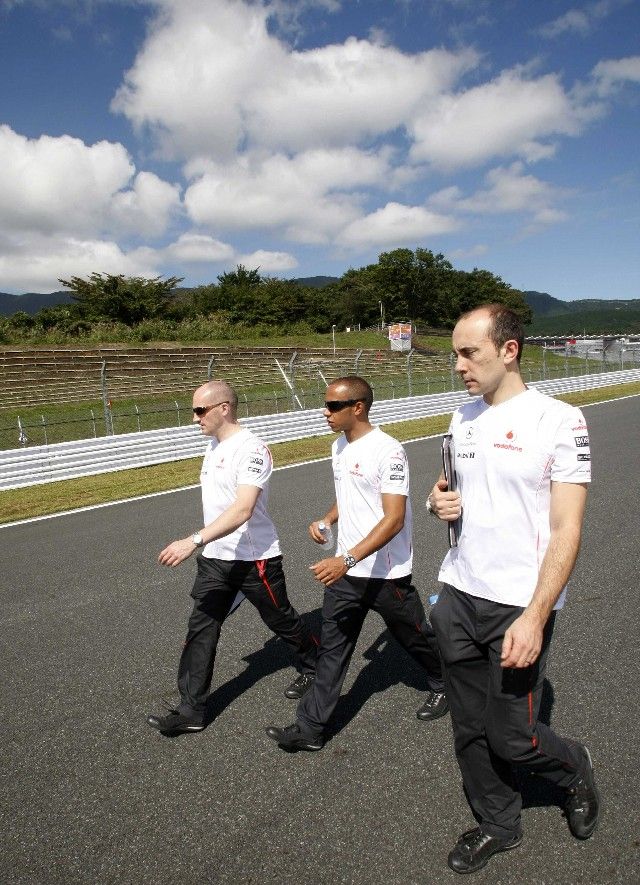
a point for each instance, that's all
(327, 544)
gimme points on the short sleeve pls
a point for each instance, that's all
(394, 471)
(254, 466)
(572, 455)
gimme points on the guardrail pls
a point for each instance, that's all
(41, 464)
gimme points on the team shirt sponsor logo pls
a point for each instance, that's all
(582, 442)
(583, 457)
(355, 470)
(510, 436)
(466, 454)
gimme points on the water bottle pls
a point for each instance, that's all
(327, 544)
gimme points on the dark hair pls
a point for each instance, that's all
(504, 325)
(358, 389)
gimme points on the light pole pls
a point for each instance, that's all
(333, 335)
(381, 316)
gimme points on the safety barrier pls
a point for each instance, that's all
(41, 464)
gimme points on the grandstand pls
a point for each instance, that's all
(40, 376)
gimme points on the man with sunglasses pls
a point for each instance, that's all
(372, 568)
(238, 556)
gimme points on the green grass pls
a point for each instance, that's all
(85, 491)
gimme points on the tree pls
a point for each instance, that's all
(121, 299)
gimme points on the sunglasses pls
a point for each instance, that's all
(202, 410)
(337, 405)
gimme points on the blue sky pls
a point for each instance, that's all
(304, 137)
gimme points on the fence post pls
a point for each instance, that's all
(135, 406)
(44, 427)
(356, 361)
(292, 378)
(210, 367)
(23, 439)
(246, 405)
(106, 404)
(409, 355)
(175, 402)
(451, 358)
(93, 422)
(544, 362)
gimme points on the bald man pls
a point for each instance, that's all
(238, 555)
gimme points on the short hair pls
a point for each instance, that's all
(504, 325)
(358, 389)
(218, 387)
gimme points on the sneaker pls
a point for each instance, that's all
(435, 706)
(300, 686)
(582, 806)
(174, 723)
(291, 738)
(474, 848)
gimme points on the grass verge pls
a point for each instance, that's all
(85, 491)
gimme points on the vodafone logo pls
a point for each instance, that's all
(509, 446)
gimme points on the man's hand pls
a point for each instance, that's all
(522, 642)
(315, 532)
(330, 570)
(446, 505)
(176, 552)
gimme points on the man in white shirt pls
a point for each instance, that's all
(239, 556)
(372, 568)
(522, 464)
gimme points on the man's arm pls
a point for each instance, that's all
(523, 640)
(229, 520)
(394, 508)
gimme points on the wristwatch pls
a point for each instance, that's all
(198, 539)
(429, 506)
(350, 560)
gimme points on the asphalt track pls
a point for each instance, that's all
(91, 630)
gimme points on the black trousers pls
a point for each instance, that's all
(216, 585)
(495, 711)
(345, 607)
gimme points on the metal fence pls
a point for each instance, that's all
(302, 387)
(101, 455)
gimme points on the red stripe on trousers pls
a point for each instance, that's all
(261, 565)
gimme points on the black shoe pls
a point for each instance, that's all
(291, 738)
(300, 686)
(435, 706)
(582, 807)
(474, 848)
(174, 723)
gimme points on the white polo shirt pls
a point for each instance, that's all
(241, 459)
(363, 471)
(506, 457)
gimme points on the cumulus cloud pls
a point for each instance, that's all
(580, 21)
(309, 196)
(396, 225)
(268, 261)
(198, 248)
(505, 117)
(61, 185)
(36, 263)
(211, 78)
(509, 190)
(610, 75)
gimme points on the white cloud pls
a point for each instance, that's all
(61, 185)
(35, 264)
(211, 77)
(268, 261)
(581, 21)
(612, 74)
(396, 225)
(310, 196)
(505, 117)
(147, 207)
(509, 191)
(199, 248)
